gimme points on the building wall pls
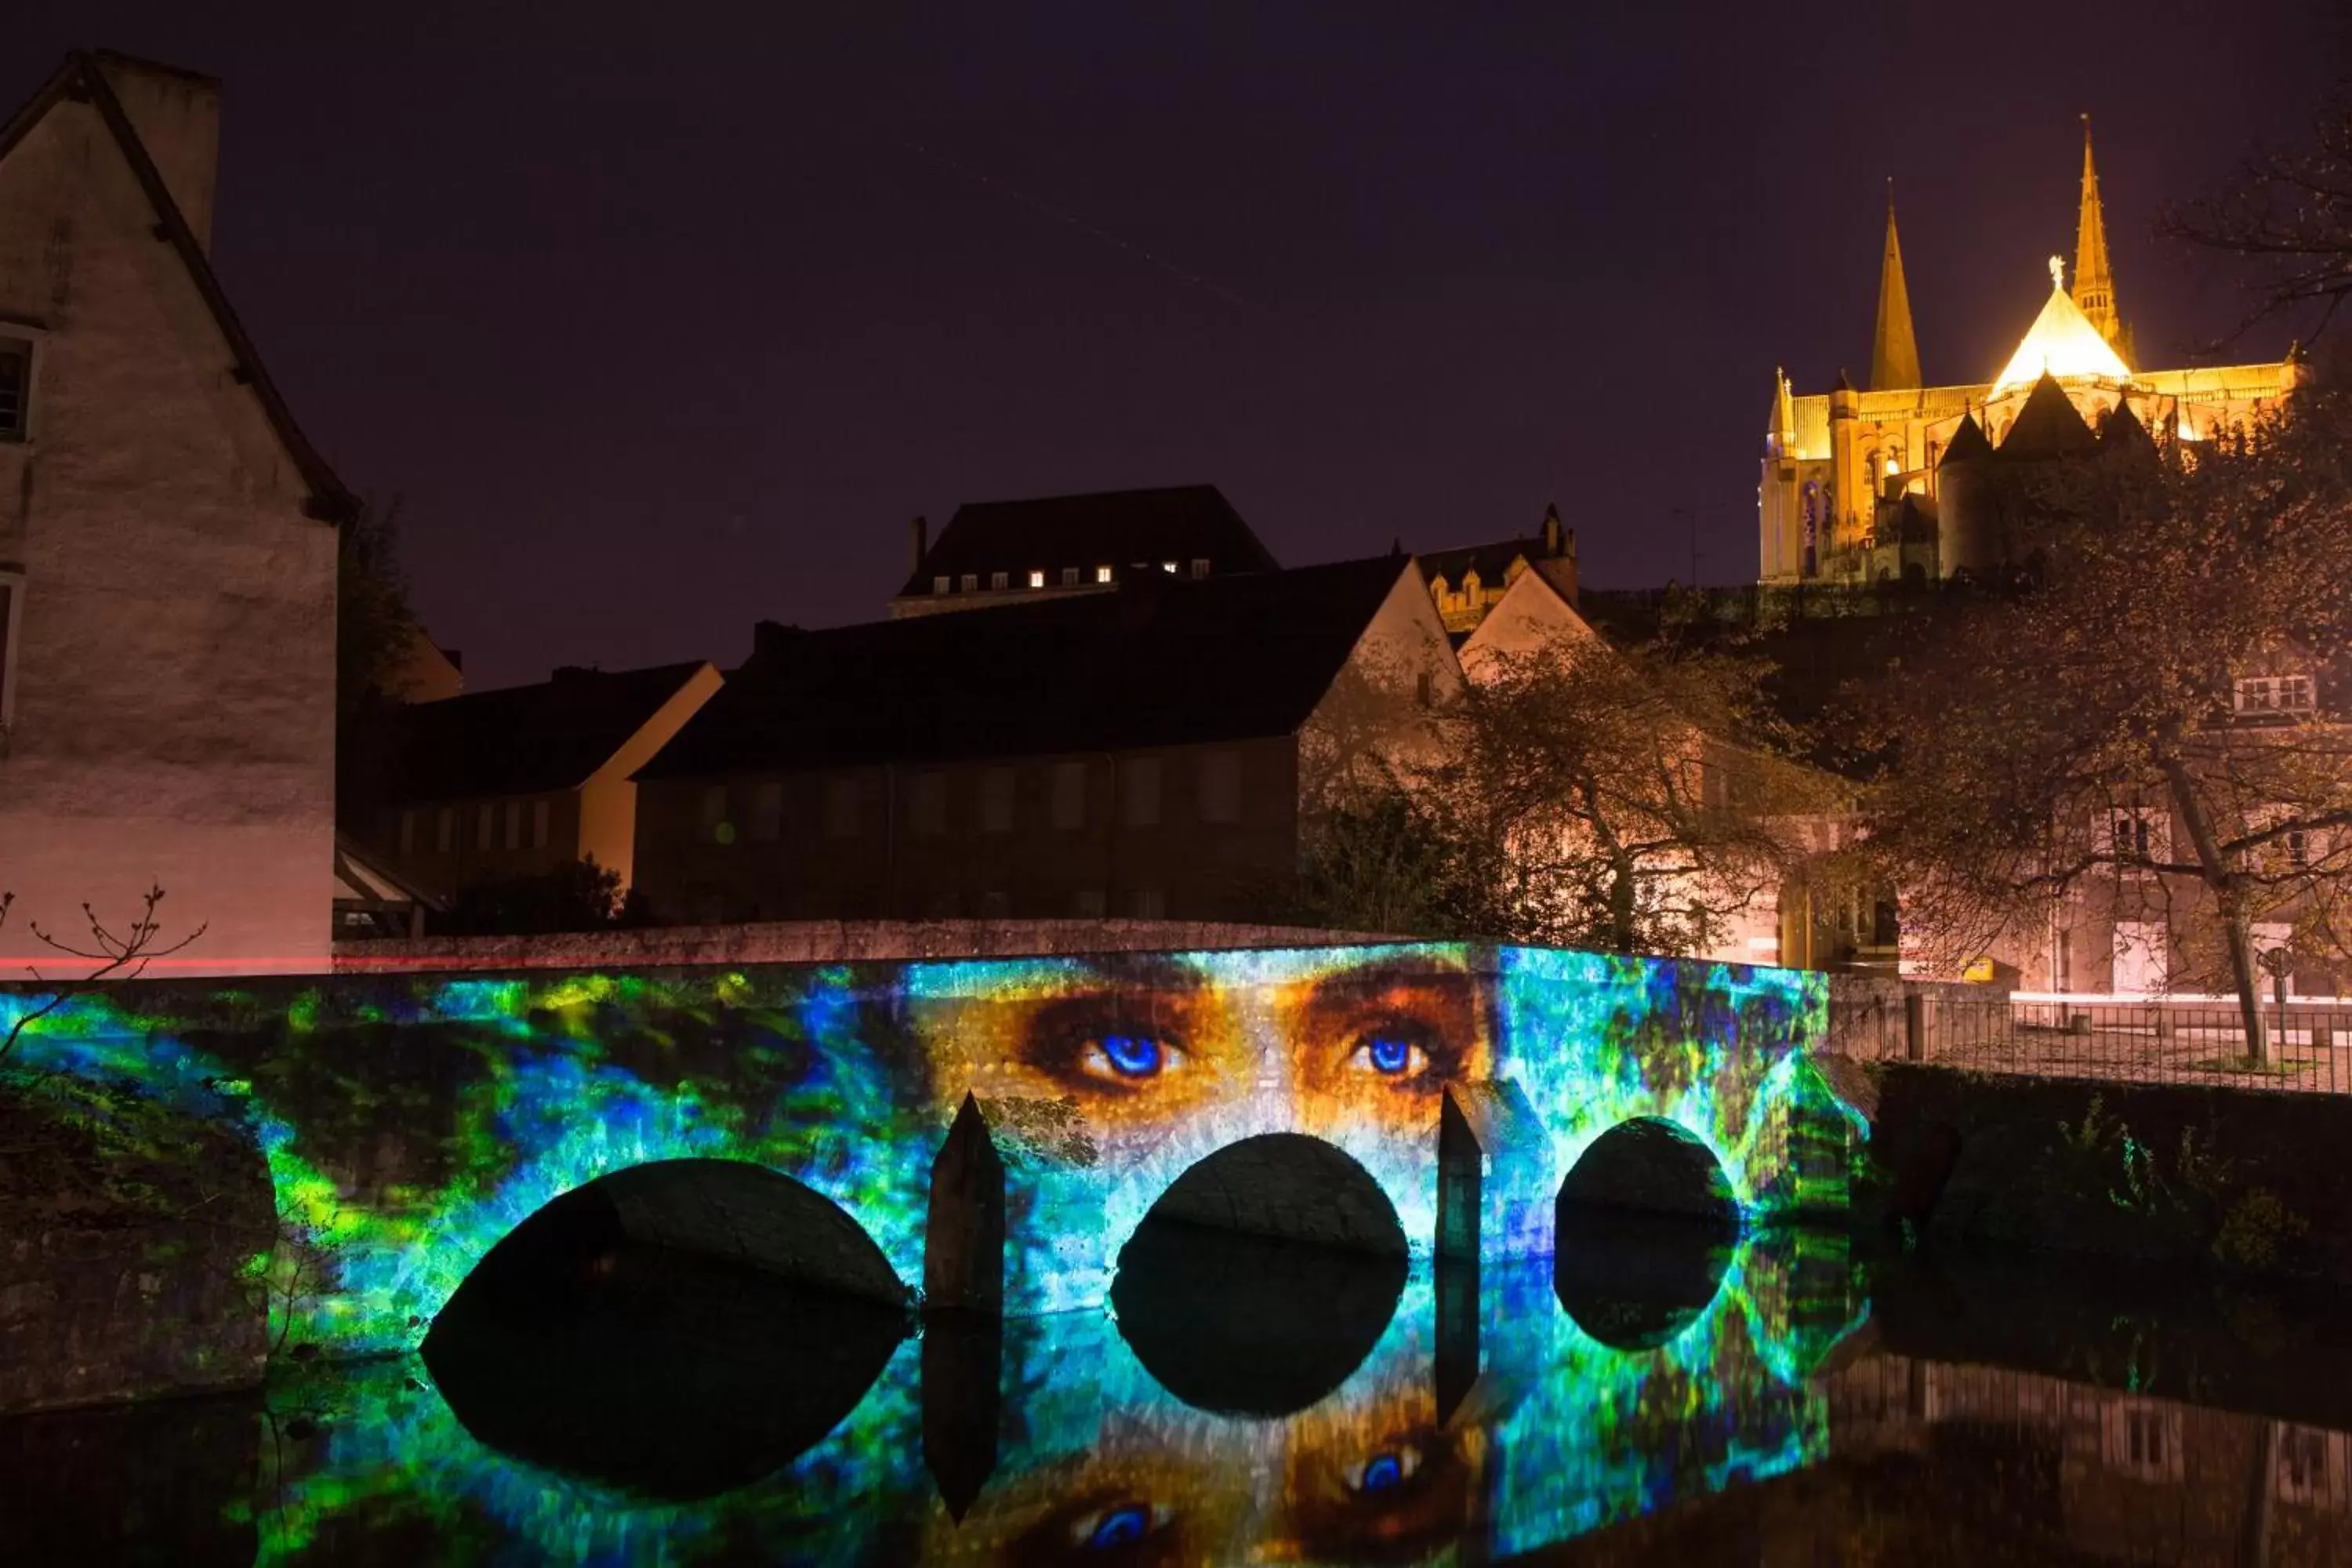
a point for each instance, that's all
(608, 802)
(773, 846)
(412, 835)
(172, 717)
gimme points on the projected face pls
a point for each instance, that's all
(1381, 1040)
(1132, 1502)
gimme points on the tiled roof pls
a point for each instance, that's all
(522, 740)
(1118, 529)
(1159, 662)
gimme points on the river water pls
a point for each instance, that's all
(1670, 1396)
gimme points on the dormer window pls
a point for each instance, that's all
(2275, 694)
(15, 389)
(1102, 573)
(972, 581)
(1200, 566)
(1169, 567)
(1000, 581)
(1069, 577)
(1037, 579)
(939, 584)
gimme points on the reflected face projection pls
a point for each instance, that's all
(1372, 1490)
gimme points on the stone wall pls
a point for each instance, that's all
(126, 1236)
(821, 941)
(2183, 1176)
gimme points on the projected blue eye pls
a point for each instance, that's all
(1126, 1060)
(1383, 1472)
(1131, 1055)
(1121, 1526)
(1393, 1051)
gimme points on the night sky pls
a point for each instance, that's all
(659, 323)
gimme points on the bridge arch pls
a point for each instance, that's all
(1263, 1277)
(1644, 1228)
(653, 1330)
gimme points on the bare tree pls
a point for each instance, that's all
(118, 956)
(1632, 799)
(2289, 214)
(2087, 730)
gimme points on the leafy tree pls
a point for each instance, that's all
(2053, 732)
(1629, 799)
(579, 895)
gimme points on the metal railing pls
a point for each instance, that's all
(2307, 1043)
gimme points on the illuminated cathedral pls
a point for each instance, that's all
(1868, 485)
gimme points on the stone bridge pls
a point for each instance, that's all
(985, 1134)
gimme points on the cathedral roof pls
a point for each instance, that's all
(2049, 425)
(1968, 441)
(2062, 343)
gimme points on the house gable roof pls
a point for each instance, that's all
(1158, 662)
(1114, 528)
(80, 80)
(527, 740)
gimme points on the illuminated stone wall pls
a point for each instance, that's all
(412, 1124)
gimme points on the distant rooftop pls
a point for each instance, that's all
(524, 739)
(1079, 536)
(1155, 662)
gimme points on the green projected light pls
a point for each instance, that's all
(410, 1125)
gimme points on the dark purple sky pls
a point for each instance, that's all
(661, 321)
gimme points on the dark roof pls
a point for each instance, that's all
(2122, 430)
(1116, 528)
(1158, 662)
(78, 79)
(1968, 443)
(2049, 425)
(522, 740)
(1493, 560)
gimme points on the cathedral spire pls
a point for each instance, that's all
(1893, 351)
(2094, 284)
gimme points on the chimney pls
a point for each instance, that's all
(919, 541)
(177, 116)
(1551, 529)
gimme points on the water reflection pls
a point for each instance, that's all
(1972, 1419)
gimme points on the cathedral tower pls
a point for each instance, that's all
(1894, 350)
(2095, 282)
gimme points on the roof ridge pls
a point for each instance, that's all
(80, 79)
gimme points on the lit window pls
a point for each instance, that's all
(1037, 579)
(1102, 573)
(1000, 581)
(1200, 566)
(2275, 694)
(972, 581)
(1169, 567)
(15, 389)
(1069, 577)
(942, 584)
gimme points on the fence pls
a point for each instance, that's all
(2307, 1043)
